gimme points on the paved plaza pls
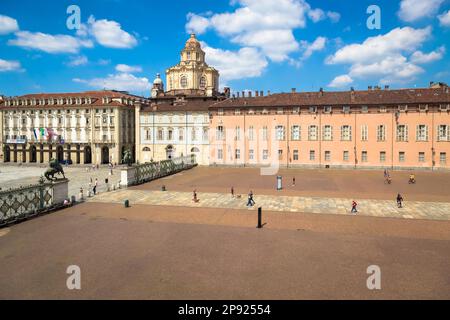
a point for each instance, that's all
(166, 246)
(14, 176)
(342, 206)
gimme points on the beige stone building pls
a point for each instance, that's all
(82, 128)
(192, 76)
(176, 122)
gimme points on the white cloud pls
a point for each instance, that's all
(120, 81)
(316, 15)
(10, 65)
(78, 61)
(386, 56)
(49, 43)
(376, 48)
(244, 63)
(444, 19)
(310, 48)
(413, 10)
(264, 24)
(128, 69)
(8, 25)
(108, 34)
(196, 23)
(341, 81)
(420, 57)
(334, 16)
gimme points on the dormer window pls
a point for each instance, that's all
(444, 107)
(346, 109)
(327, 109)
(364, 109)
(312, 109)
(403, 108)
(423, 107)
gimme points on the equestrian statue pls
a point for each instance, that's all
(55, 168)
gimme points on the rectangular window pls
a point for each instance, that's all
(422, 132)
(237, 112)
(220, 154)
(237, 133)
(327, 133)
(346, 109)
(265, 134)
(312, 133)
(364, 109)
(280, 154)
(220, 112)
(381, 133)
(327, 109)
(312, 109)
(251, 133)
(295, 155)
(402, 133)
(346, 133)
(220, 133)
(251, 154)
(364, 133)
(280, 133)
(180, 134)
(295, 132)
(444, 133)
(401, 156)
(364, 156)
(312, 155)
(443, 158)
(160, 134)
(382, 156)
(327, 155)
(345, 156)
(238, 154)
(421, 156)
(148, 134)
(265, 154)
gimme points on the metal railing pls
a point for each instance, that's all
(153, 170)
(21, 203)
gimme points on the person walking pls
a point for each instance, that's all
(195, 196)
(293, 181)
(250, 202)
(354, 205)
(95, 187)
(399, 200)
(232, 192)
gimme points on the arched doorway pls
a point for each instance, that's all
(87, 155)
(170, 152)
(59, 153)
(105, 155)
(7, 154)
(33, 154)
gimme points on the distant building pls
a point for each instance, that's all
(88, 127)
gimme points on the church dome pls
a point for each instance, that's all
(158, 79)
(192, 43)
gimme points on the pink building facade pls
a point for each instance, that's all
(397, 129)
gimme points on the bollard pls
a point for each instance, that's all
(127, 203)
(259, 218)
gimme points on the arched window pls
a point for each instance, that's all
(195, 149)
(146, 149)
(170, 134)
(203, 82)
(183, 82)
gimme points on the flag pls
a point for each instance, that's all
(42, 132)
(35, 134)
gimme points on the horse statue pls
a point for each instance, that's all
(55, 168)
(127, 158)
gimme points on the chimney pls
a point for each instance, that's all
(261, 93)
(352, 89)
(369, 88)
(243, 94)
(227, 92)
(237, 93)
(256, 93)
(234, 96)
(268, 92)
(249, 94)
(293, 90)
(386, 87)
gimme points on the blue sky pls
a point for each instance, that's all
(256, 44)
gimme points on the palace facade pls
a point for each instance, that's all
(373, 128)
(83, 128)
